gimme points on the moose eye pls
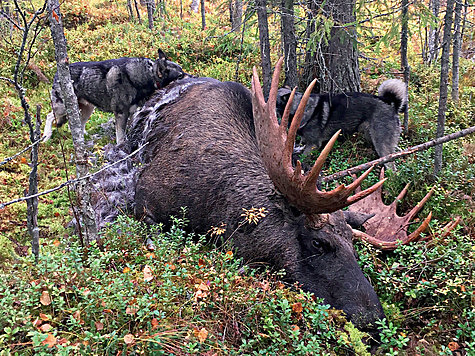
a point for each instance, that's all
(318, 245)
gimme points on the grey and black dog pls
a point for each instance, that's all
(115, 85)
(375, 116)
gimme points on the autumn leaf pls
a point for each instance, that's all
(77, 316)
(229, 254)
(56, 243)
(147, 274)
(55, 15)
(295, 328)
(23, 160)
(50, 341)
(297, 308)
(45, 298)
(99, 326)
(128, 339)
(46, 327)
(154, 323)
(171, 266)
(453, 346)
(44, 317)
(126, 270)
(131, 310)
(202, 335)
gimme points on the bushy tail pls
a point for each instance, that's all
(393, 92)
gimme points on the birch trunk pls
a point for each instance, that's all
(72, 110)
(444, 77)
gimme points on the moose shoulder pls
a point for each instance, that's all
(204, 155)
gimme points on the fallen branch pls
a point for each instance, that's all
(19, 153)
(72, 181)
(394, 156)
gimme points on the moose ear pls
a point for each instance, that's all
(161, 55)
(356, 219)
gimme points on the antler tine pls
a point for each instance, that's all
(385, 229)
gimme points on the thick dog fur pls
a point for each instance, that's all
(375, 116)
(115, 85)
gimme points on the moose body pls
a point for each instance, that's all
(203, 154)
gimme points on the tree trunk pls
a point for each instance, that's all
(433, 38)
(264, 45)
(289, 43)
(404, 62)
(235, 14)
(194, 6)
(338, 71)
(74, 120)
(32, 204)
(150, 10)
(309, 72)
(444, 76)
(138, 12)
(203, 17)
(456, 51)
(130, 10)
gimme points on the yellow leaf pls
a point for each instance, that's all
(126, 270)
(129, 338)
(50, 341)
(45, 298)
(147, 274)
(229, 254)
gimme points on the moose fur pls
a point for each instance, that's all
(202, 154)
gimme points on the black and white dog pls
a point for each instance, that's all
(115, 85)
(375, 116)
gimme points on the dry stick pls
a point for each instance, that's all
(69, 182)
(19, 153)
(396, 155)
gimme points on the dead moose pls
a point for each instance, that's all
(215, 148)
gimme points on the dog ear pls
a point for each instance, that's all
(161, 55)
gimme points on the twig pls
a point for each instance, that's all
(394, 156)
(19, 153)
(69, 182)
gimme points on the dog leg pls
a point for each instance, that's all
(48, 127)
(86, 110)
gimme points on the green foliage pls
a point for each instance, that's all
(181, 298)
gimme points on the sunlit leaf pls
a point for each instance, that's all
(50, 341)
(45, 298)
(128, 339)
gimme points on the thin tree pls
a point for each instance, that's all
(289, 42)
(72, 110)
(404, 61)
(444, 76)
(433, 36)
(30, 27)
(150, 10)
(264, 43)
(457, 49)
(203, 17)
(235, 15)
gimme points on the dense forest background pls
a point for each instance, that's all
(61, 295)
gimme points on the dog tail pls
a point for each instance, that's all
(393, 92)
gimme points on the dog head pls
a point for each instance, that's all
(283, 95)
(167, 71)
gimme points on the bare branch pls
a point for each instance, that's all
(72, 181)
(394, 156)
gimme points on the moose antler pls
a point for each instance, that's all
(385, 229)
(276, 146)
